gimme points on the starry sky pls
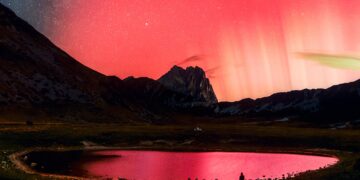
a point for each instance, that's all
(248, 48)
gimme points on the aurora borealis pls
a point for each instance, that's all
(249, 48)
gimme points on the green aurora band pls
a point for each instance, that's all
(333, 60)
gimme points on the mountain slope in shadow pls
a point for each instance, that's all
(34, 73)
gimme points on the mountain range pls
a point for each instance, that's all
(37, 75)
(337, 103)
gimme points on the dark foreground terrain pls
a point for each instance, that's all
(257, 137)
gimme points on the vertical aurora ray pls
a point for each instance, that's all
(250, 45)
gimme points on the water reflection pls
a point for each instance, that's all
(151, 165)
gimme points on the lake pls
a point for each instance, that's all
(156, 165)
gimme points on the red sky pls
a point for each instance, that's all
(247, 47)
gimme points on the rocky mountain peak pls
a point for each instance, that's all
(191, 81)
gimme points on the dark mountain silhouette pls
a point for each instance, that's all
(337, 103)
(192, 82)
(36, 73)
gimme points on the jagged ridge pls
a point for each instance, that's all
(191, 81)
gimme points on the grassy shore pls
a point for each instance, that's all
(263, 137)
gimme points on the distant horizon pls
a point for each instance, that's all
(247, 48)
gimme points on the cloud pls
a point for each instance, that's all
(191, 59)
(212, 71)
(333, 60)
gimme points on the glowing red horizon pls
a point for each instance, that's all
(248, 48)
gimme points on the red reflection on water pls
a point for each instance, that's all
(152, 165)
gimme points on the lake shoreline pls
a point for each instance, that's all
(343, 144)
(17, 160)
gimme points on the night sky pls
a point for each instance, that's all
(249, 48)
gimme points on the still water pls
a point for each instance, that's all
(154, 165)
